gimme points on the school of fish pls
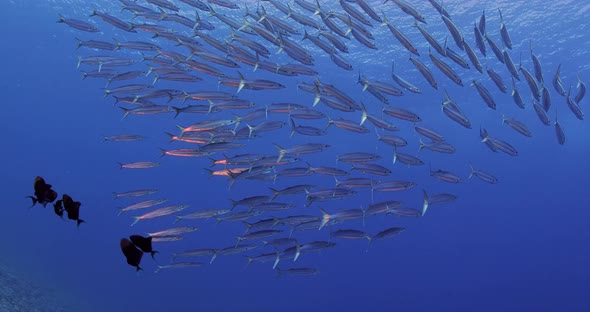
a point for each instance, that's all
(184, 43)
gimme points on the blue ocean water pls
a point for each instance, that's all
(519, 244)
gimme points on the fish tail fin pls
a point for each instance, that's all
(211, 172)
(325, 219)
(121, 210)
(282, 152)
(211, 11)
(385, 21)
(422, 145)
(369, 239)
(330, 122)
(34, 199)
(365, 115)
(177, 219)
(163, 152)
(248, 226)
(158, 269)
(182, 130)
(293, 127)
(472, 171)
(126, 112)
(394, 154)
(246, 24)
(177, 111)
(213, 161)
(250, 130)
(233, 203)
(78, 222)
(250, 260)
(232, 180)
(318, 95)
(486, 136)
(277, 259)
(211, 105)
(348, 30)
(275, 193)
(425, 204)
(309, 201)
(213, 257)
(153, 253)
(135, 220)
(297, 252)
(170, 136)
(79, 43)
(305, 35)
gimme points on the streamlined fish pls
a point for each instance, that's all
(497, 79)
(517, 126)
(485, 94)
(504, 32)
(433, 42)
(532, 83)
(573, 106)
(479, 40)
(425, 72)
(536, 64)
(472, 57)
(497, 51)
(557, 84)
(510, 65)
(455, 33)
(482, 175)
(541, 113)
(402, 82)
(400, 36)
(408, 9)
(446, 69)
(559, 132)
(516, 95)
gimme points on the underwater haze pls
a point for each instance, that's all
(490, 220)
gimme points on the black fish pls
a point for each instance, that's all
(72, 208)
(58, 208)
(43, 193)
(132, 254)
(144, 243)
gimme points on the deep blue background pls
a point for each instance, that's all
(522, 244)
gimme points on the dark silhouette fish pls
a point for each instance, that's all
(43, 193)
(58, 208)
(132, 254)
(72, 208)
(144, 243)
